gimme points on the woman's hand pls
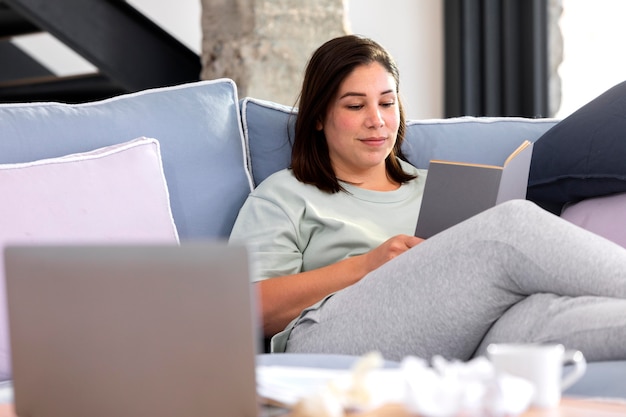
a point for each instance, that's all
(283, 298)
(390, 249)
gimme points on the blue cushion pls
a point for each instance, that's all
(479, 140)
(468, 139)
(267, 128)
(197, 124)
(584, 155)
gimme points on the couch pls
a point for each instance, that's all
(198, 150)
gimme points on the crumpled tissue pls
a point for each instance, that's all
(442, 389)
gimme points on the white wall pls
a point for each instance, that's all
(412, 30)
(593, 51)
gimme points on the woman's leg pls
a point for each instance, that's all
(442, 296)
(589, 324)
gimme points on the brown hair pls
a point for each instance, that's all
(329, 65)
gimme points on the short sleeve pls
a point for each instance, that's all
(272, 237)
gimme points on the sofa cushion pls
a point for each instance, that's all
(605, 216)
(197, 125)
(602, 379)
(479, 140)
(469, 139)
(267, 129)
(115, 194)
(583, 155)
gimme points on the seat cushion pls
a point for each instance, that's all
(601, 379)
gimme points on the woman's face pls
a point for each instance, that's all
(361, 123)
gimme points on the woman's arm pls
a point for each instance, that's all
(283, 298)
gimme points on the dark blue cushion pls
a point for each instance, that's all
(582, 156)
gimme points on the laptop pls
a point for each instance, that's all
(155, 331)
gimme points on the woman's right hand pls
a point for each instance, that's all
(283, 298)
(389, 249)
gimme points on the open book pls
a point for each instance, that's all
(455, 191)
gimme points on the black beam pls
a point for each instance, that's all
(74, 89)
(13, 24)
(16, 64)
(122, 43)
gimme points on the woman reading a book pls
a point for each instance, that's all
(339, 270)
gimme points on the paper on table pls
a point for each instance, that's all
(445, 389)
(287, 385)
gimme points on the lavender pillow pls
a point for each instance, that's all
(115, 194)
(605, 216)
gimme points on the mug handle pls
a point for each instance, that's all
(576, 358)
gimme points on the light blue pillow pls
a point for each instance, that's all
(479, 140)
(197, 124)
(267, 128)
(468, 139)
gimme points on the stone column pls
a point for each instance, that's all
(264, 45)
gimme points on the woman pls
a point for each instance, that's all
(339, 270)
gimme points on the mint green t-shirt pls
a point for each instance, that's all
(291, 227)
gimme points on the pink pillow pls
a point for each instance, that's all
(605, 216)
(113, 194)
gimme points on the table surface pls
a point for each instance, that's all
(570, 407)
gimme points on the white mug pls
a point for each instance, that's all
(542, 365)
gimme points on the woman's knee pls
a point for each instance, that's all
(516, 206)
(518, 212)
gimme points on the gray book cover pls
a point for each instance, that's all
(456, 191)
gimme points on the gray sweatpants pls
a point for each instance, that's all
(530, 275)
